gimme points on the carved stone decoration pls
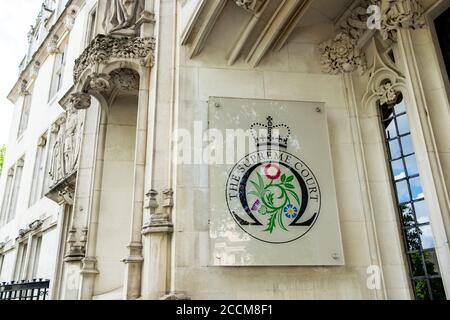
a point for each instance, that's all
(80, 100)
(35, 225)
(67, 194)
(57, 163)
(356, 22)
(395, 14)
(100, 83)
(52, 47)
(2, 245)
(401, 14)
(75, 250)
(24, 88)
(252, 6)
(341, 55)
(160, 221)
(125, 79)
(35, 70)
(175, 296)
(72, 141)
(66, 150)
(105, 48)
(121, 16)
(386, 82)
(69, 19)
(146, 17)
(387, 94)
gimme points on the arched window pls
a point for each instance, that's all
(411, 202)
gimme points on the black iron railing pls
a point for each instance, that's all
(25, 290)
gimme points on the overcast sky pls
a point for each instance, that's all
(16, 17)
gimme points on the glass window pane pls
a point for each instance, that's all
(400, 108)
(412, 239)
(403, 124)
(421, 212)
(394, 148)
(391, 131)
(407, 215)
(416, 188)
(407, 145)
(426, 237)
(411, 165)
(437, 287)
(431, 263)
(398, 170)
(402, 192)
(421, 290)
(416, 263)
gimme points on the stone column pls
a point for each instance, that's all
(157, 274)
(134, 260)
(157, 238)
(89, 270)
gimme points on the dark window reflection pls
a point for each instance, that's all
(412, 206)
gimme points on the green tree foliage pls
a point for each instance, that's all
(2, 156)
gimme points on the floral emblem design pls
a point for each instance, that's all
(271, 194)
(290, 211)
(276, 196)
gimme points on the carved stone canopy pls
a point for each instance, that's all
(104, 49)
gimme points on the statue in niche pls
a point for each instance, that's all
(67, 145)
(121, 16)
(72, 140)
(57, 165)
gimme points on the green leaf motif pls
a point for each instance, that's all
(265, 192)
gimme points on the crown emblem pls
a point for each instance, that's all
(270, 135)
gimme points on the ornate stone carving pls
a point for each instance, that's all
(342, 55)
(67, 194)
(401, 14)
(356, 22)
(159, 219)
(52, 46)
(66, 148)
(76, 250)
(387, 94)
(69, 19)
(125, 79)
(72, 139)
(24, 88)
(35, 70)
(252, 6)
(121, 16)
(175, 296)
(105, 48)
(35, 225)
(100, 82)
(80, 100)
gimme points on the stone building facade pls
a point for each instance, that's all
(92, 199)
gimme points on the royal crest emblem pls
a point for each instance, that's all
(272, 194)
